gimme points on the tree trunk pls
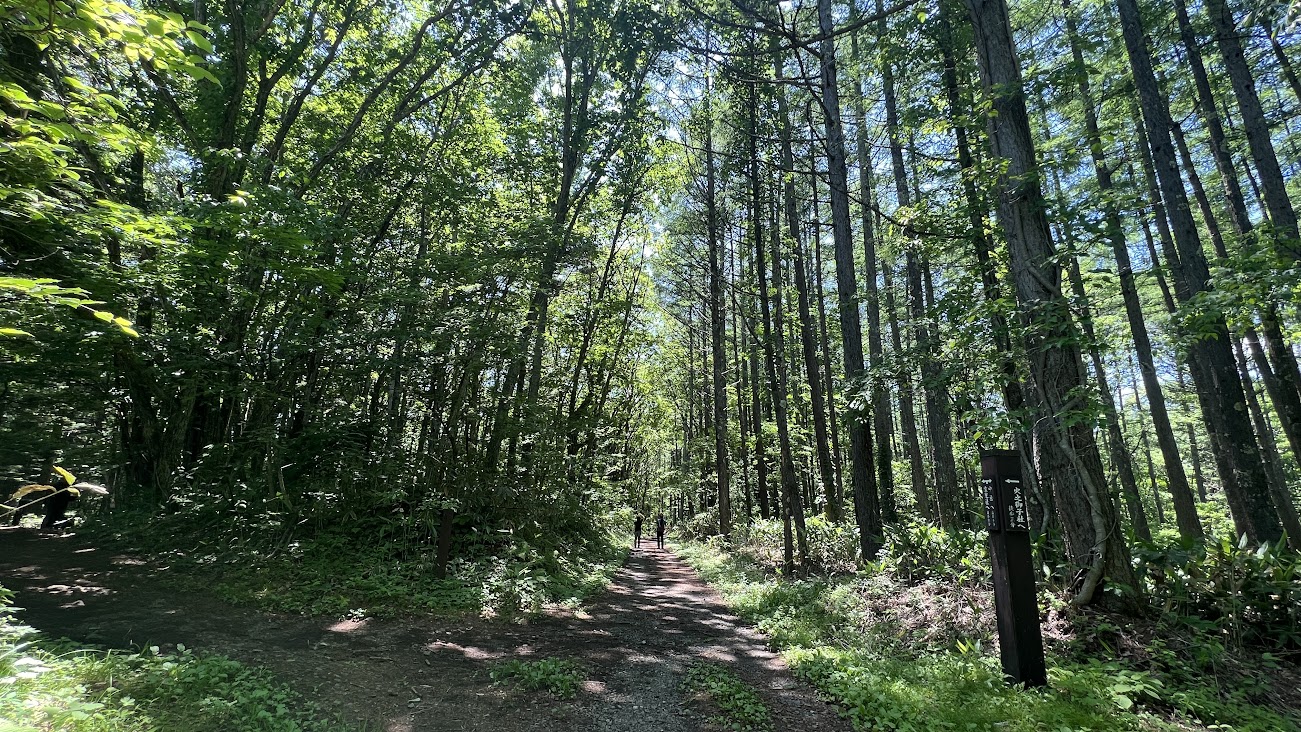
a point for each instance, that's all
(717, 329)
(1177, 480)
(1193, 450)
(1220, 150)
(743, 422)
(774, 347)
(807, 330)
(756, 233)
(1287, 400)
(1284, 63)
(882, 413)
(982, 246)
(825, 345)
(1067, 457)
(937, 416)
(1273, 186)
(1278, 486)
(907, 408)
(867, 507)
(1210, 357)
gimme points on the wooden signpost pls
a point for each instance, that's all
(1007, 516)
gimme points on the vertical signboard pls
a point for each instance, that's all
(1007, 516)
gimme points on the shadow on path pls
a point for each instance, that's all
(636, 641)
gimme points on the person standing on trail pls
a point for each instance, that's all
(659, 531)
(636, 530)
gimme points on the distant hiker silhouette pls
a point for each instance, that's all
(636, 530)
(659, 531)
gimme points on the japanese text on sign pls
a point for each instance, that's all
(991, 504)
(1018, 513)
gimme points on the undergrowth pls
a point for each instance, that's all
(563, 678)
(378, 570)
(47, 685)
(740, 708)
(909, 645)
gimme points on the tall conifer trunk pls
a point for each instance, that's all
(1272, 184)
(867, 510)
(1210, 357)
(1067, 457)
(882, 413)
(1176, 479)
(808, 341)
(717, 326)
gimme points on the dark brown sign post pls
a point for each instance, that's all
(1007, 515)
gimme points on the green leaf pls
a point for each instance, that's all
(198, 40)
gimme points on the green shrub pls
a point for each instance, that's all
(561, 677)
(919, 550)
(951, 691)
(740, 707)
(888, 649)
(699, 527)
(1249, 596)
(832, 547)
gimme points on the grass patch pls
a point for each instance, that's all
(740, 707)
(46, 685)
(337, 574)
(915, 656)
(560, 677)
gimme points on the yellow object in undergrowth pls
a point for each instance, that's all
(72, 479)
(34, 488)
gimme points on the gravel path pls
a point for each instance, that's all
(415, 675)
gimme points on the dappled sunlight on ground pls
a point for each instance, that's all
(634, 644)
(347, 626)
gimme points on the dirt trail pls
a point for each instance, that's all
(426, 674)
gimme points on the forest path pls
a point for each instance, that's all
(636, 642)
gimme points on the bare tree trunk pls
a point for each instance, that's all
(738, 338)
(1278, 486)
(1120, 458)
(774, 347)
(756, 233)
(1143, 441)
(867, 508)
(907, 408)
(1193, 450)
(1210, 358)
(808, 335)
(778, 378)
(934, 401)
(1177, 480)
(882, 414)
(717, 327)
(825, 345)
(1067, 457)
(1273, 186)
(1286, 398)
(982, 246)
(1284, 63)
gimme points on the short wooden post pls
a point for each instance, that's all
(1007, 515)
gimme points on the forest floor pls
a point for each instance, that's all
(635, 644)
